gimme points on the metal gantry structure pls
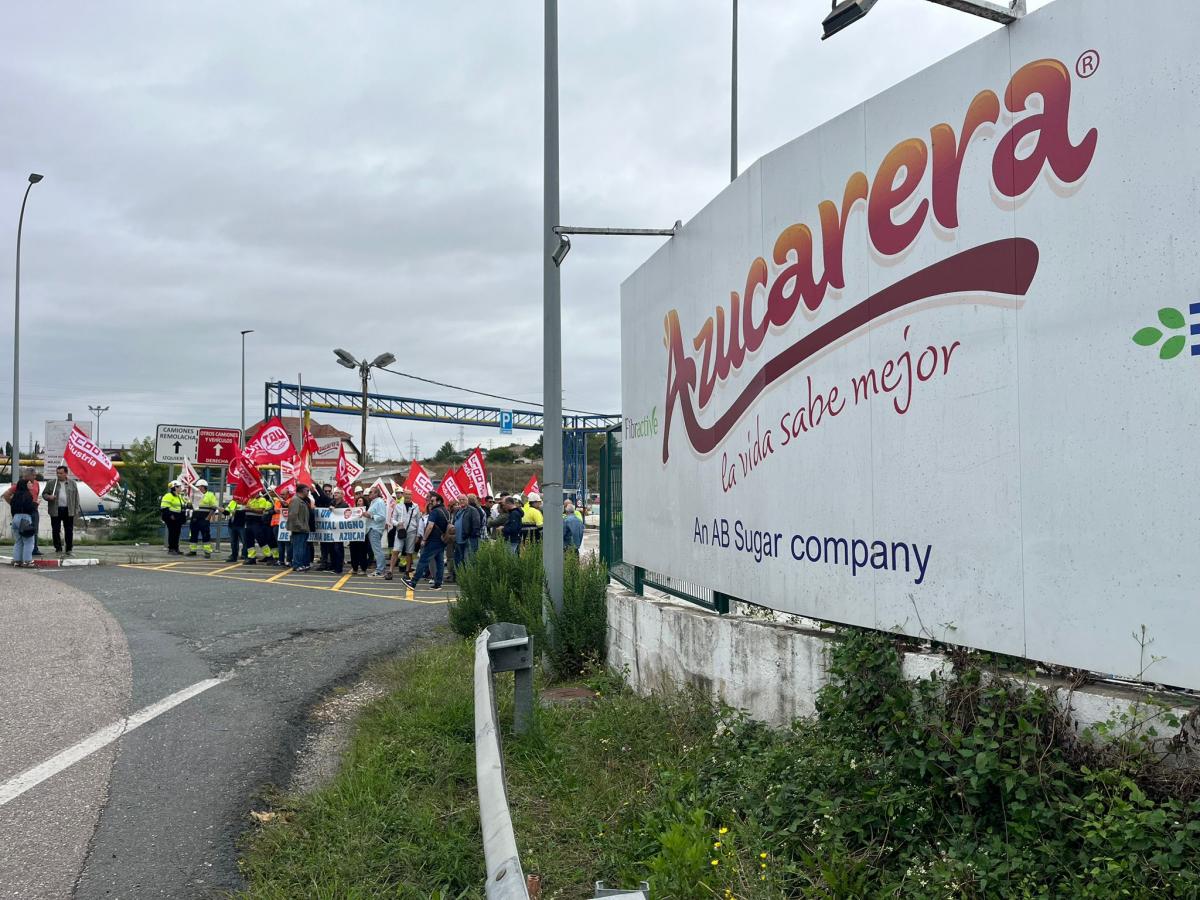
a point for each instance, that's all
(280, 397)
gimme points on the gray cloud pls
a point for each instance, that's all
(368, 175)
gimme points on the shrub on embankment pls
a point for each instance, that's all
(967, 786)
(498, 586)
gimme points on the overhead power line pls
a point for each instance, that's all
(455, 387)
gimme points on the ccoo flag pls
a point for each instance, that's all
(89, 463)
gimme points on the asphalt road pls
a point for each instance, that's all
(158, 812)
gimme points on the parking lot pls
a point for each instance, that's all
(274, 576)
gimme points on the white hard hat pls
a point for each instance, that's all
(201, 483)
(535, 497)
(172, 483)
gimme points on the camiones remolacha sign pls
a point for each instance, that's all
(929, 368)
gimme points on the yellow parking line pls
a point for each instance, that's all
(235, 565)
(280, 575)
(340, 582)
(408, 594)
(295, 583)
(169, 565)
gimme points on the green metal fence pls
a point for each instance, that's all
(636, 578)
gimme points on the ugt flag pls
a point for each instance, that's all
(89, 463)
(245, 478)
(271, 444)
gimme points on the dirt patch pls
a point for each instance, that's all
(320, 756)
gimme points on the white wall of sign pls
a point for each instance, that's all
(1002, 464)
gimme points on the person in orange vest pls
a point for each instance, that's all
(283, 553)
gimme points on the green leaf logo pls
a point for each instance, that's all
(1173, 347)
(1147, 337)
(1172, 318)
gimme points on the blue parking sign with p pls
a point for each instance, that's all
(506, 417)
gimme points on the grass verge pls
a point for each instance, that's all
(401, 818)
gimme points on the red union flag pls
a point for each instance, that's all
(532, 487)
(476, 473)
(308, 443)
(291, 473)
(449, 488)
(245, 478)
(418, 484)
(343, 476)
(271, 444)
(89, 463)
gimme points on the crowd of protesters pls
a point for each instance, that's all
(416, 544)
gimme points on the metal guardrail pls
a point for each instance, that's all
(507, 648)
(500, 648)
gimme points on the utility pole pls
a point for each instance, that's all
(34, 178)
(364, 370)
(98, 411)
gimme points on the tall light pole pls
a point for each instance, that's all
(244, 333)
(364, 370)
(98, 411)
(733, 122)
(552, 424)
(34, 178)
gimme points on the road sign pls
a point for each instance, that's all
(506, 418)
(217, 446)
(174, 443)
(57, 433)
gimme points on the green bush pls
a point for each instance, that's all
(971, 785)
(577, 634)
(498, 586)
(143, 482)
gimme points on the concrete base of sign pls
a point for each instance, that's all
(43, 563)
(773, 671)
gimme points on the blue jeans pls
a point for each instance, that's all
(299, 549)
(464, 551)
(22, 546)
(375, 539)
(431, 552)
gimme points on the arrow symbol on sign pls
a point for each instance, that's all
(217, 451)
(177, 446)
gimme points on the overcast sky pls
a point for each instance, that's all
(368, 175)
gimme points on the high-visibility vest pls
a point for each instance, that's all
(278, 509)
(208, 504)
(532, 517)
(259, 507)
(172, 502)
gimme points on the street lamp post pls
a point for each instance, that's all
(348, 361)
(552, 424)
(733, 122)
(34, 178)
(98, 411)
(244, 333)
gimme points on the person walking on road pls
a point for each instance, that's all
(376, 526)
(299, 526)
(62, 501)
(433, 548)
(171, 510)
(201, 528)
(20, 499)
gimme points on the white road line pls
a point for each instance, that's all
(31, 778)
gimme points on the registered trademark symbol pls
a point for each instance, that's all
(1087, 64)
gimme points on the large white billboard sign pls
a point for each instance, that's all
(932, 367)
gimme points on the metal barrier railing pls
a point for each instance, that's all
(500, 648)
(507, 648)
